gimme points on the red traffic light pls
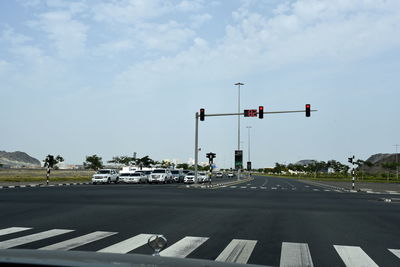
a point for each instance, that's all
(202, 111)
(261, 112)
(308, 110)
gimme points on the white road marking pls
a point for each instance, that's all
(327, 190)
(262, 187)
(316, 189)
(11, 186)
(128, 244)
(32, 238)
(22, 185)
(354, 256)
(306, 186)
(253, 187)
(78, 241)
(238, 251)
(233, 186)
(273, 188)
(295, 254)
(183, 247)
(11, 230)
(395, 252)
(243, 187)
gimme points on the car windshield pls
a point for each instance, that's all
(260, 132)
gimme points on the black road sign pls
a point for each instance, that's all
(238, 159)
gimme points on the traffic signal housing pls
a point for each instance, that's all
(308, 110)
(202, 111)
(261, 112)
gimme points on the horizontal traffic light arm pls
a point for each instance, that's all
(265, 112)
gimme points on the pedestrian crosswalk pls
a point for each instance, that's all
(234, 251)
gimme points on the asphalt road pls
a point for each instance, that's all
(268, 221)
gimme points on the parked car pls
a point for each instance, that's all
(189, 178)
(136, 178)
(105, 176)
(177, 176)
(160, 176)
(230, 174)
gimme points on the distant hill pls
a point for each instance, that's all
(377, 160)
(18, 159)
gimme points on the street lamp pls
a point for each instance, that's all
(239, 84)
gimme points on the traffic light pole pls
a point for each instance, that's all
(196, 147)
(196, 141)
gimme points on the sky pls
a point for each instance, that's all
(116, 77)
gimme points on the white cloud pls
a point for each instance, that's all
(190, 6)
(257, 42)
(168, 36)
(130, 11)
(68, 35)
(199, 19)
(9, 35)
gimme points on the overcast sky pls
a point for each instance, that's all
(116, 77)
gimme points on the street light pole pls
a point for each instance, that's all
(239, 84)
(397, 163)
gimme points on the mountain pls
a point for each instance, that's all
(374, 163)
(18, 159)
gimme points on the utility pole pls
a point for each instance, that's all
(238, 84)
(397, 163)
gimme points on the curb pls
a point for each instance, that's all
(41, 185)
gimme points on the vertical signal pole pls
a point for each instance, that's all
(47, 175)
(351, 160)
(196, 146)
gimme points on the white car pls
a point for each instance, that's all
(105, 176)
(189, 178)
(203, 177)
(219, 175)
(135, 177)
(230, 174)
(160, 176)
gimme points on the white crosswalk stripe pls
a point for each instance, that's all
(354, 256)
(78, 241)
(128, 244)
(238, 251)
(183, 247)
(395, 252)
(295, 254)
(11, 230)
(32, 238)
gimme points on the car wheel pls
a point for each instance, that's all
(94, 183)
(116, 181)
(108, 181)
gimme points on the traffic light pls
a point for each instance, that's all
(202, 114)
(308, 110)
(351, 160)
(261, 112)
